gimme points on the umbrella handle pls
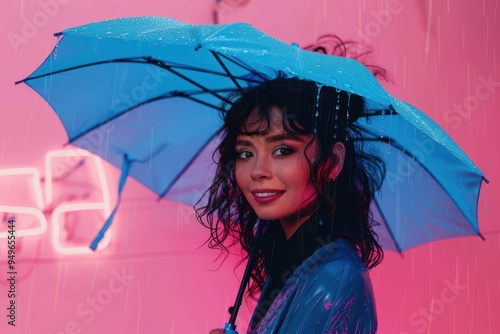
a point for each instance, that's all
(230, 326)
(230, 329)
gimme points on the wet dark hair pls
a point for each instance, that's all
(333, 45)
(343, 204)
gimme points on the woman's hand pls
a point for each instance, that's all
(217, 331)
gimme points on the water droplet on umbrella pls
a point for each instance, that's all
(108, 33)
(347, 85)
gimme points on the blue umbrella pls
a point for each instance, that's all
(145, 94)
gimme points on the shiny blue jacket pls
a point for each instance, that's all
(330, 292)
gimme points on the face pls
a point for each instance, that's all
(272, 171)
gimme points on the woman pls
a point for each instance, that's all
(291, 168)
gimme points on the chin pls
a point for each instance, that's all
(267, 215)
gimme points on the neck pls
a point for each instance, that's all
(291, 224)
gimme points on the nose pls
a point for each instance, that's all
(261, 168)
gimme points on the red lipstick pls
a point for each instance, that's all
(264, 196)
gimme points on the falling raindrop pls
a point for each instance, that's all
(348, 105)
(382, 127)
(486, 200)
(316, 115)
(55, 51)
(337, 105)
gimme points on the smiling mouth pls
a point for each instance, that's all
(263, 195)
(267, 197)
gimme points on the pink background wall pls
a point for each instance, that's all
(153, 277)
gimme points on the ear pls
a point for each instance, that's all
(338, 164)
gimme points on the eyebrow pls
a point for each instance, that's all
(272, 139)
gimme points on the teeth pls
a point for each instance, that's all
(265, 194)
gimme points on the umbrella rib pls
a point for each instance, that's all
(394, 143)
(224, 67)
(186, 167)
(384, 221)
(126, 60)
(175, 94)
(180, 75)
(66, 69)
(157, 62)
(249, 69)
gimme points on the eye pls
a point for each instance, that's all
(243, 154)
(283, 150)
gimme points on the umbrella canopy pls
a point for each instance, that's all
(145, 94)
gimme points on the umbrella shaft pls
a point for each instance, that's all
(246, 277)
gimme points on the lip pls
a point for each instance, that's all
(267, 199)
